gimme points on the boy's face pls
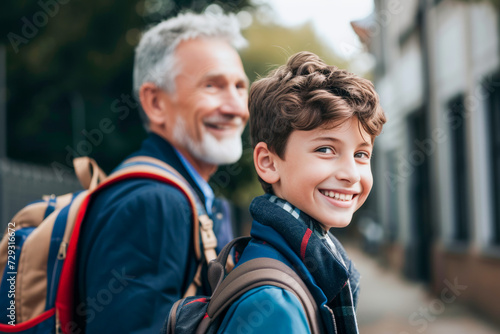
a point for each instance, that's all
(326, 172)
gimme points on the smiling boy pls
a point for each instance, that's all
(313, 128)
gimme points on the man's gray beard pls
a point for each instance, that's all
(211, 150)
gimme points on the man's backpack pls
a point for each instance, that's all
(38, 249)
(204, 314)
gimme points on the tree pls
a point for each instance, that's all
(69, 75)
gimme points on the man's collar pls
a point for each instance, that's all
(157, 147)
(200, 182)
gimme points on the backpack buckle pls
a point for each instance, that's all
(207, 233)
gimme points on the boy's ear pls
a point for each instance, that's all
(154, 103)
(265, 163)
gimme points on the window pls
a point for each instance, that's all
(393, 203)
(460, 198)
(420, 198)
(493, 118)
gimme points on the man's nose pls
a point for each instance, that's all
(235, 103)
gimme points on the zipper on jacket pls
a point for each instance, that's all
(333, 318)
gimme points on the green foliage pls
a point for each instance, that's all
(271, 45)
(69, 68)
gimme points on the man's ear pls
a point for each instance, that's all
(154, 103)
(265, 163)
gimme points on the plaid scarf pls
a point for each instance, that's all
(343, 304)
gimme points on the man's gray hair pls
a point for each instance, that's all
(155, 55)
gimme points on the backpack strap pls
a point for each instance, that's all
(202, 224)
(250, 275)
(88, 172)
(68, 250)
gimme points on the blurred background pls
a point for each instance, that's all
(427, 242)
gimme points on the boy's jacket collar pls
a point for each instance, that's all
(328, 273)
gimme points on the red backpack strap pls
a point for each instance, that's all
(202, 224)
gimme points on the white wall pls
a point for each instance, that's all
(463, 54)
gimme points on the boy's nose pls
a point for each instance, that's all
(348, 171)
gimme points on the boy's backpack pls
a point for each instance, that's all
(202, 314)
(38, 249)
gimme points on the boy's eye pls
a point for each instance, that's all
(325, 150)
(362, 155)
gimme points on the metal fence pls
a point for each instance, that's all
(22, 183)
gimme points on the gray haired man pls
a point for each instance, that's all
(136, 254)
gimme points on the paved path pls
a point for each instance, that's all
(391, 305)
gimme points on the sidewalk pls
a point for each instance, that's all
(390, 305)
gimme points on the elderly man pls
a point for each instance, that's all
(136, 255)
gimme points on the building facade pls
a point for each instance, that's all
(437, 162)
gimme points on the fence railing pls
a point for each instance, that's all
(22, 183)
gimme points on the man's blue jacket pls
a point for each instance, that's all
(135, 255)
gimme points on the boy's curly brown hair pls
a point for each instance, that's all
(305, 94)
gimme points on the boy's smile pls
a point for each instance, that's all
(326, 172)
(339, 198)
